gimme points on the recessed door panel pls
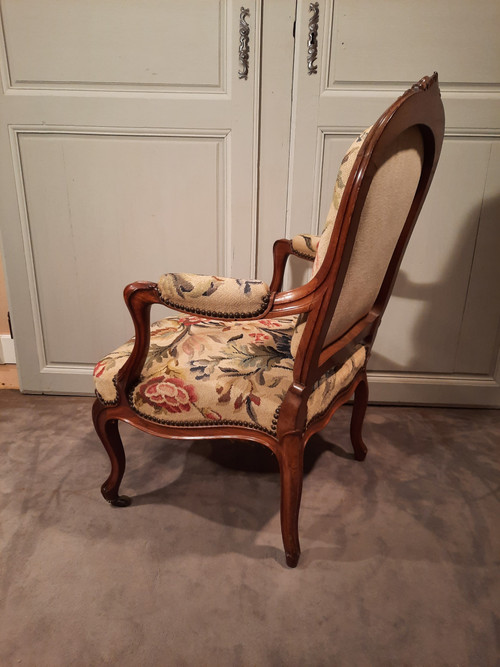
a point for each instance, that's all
(422, 327)
(129, 143)
(103, 211)
(156, 45)
(394, 41)
(439, 338)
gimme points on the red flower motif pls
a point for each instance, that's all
(172, 394)
(270, 323)
(211, 414)
(192, 345)
(160, 332)
(191, 319)
(259, 337)
(99, 369)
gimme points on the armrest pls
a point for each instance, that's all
(140, 296)
(212, 296)
(305, 246)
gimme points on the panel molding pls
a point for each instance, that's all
(331, 84)
(68, 369)
(351, 132)
(4, 56)
(62, 87)
(18, 131)
(428, 389)
(446, 87)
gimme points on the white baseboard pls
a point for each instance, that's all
(7, 350)
(434, 389)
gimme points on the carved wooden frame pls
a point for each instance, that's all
(420, 105)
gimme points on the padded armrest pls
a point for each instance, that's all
(226, 298)
(305, 245)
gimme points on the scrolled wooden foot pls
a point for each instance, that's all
(120, 501)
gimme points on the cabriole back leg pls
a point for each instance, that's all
(291, 460)
(357, 417)
(107, 430)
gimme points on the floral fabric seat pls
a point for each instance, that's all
(206, 372)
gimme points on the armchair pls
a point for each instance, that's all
(246, 361)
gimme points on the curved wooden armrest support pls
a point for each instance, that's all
(282, 248)
(139, 297)
(294, 301)
(298, 300)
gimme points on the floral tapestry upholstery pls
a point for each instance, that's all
(324, 240)
(332, 382)
(201, 372)
(213, 296)
(305, 245)
(341, 181)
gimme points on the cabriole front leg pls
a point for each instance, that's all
(107, 430)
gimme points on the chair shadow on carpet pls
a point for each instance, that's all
(227, 482)
(425, 493)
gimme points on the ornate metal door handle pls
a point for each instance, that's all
(312, 42)
(244, 49)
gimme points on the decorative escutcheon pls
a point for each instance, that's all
(244, 50)
(312, 42)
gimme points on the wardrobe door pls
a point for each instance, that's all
(129, 148)
(439, 339)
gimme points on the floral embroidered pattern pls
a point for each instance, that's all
(214, 296)
(99, 369)
(305, 245)
(200, 370)
(341, 181)
(171, 394)
(332, 382)
(324, 240)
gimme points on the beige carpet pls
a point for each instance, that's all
(400, 562)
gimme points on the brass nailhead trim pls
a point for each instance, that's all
(304, 255)
(169, 422)
(211, 313)
(200, 422)
(114, 401)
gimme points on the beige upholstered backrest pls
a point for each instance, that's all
(382, 219)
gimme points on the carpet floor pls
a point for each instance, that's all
(400, 553)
